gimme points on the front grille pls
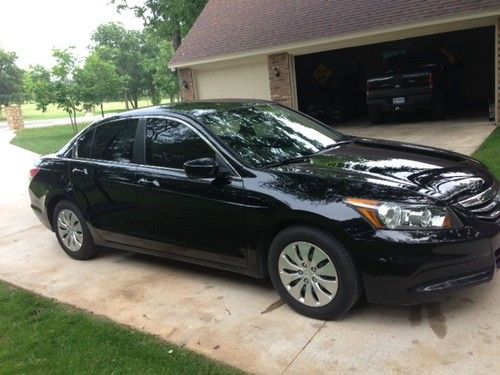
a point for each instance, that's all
(484, 206)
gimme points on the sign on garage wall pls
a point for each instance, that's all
(322, 73)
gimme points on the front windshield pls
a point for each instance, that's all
(266, 134)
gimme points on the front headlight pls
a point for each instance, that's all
(391, 215)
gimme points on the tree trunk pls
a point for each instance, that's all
(71, 119)
(176, 37)
(102, 110)
(136, 100)
(125, 96)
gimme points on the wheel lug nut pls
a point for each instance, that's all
(306, 281)
(301, 272)
(314, 279)
(304, 265)
(313, 269)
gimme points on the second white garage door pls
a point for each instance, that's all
(242, 81)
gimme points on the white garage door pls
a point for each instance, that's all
(243, 81)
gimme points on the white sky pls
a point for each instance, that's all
(33, 27)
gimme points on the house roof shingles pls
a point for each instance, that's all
(231, 26)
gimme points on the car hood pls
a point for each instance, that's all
(378, 165)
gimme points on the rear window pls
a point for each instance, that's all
(115, 141)
(84, 145)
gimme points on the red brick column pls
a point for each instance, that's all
(281, 79)
(186, 81)
(14, 116)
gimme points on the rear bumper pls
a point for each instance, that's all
(412, 102)
(39, 208)
(402, 268)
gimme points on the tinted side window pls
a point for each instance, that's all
(84, 145)
(115, 141)
(170, 144)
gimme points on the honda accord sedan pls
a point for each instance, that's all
(260, 189)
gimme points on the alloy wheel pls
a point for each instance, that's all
(308, 274)
(70, 230)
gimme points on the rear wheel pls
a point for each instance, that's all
(313, 272)
(375, 115)
(72, 231)
(437, 110)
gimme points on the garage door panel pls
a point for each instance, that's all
(239, 81)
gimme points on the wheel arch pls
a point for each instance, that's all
(276, 227)
(51, 205)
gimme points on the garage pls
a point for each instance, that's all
(321, 57)
(332, 85)
(247, 80)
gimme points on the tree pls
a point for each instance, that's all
(159, 80)
(170, 19)
(56, 86)
(98, 81)
(39, 86)
(11, 79)
(166, 80)
(66, 90)
(113, 43)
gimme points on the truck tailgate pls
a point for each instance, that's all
(399, 85)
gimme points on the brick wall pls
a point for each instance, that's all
(186, 81)
(14, 117)
(280, 78)
(497, 76)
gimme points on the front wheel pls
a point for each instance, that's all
(72, 231)
(313, 272)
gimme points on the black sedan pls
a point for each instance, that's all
(260, 189)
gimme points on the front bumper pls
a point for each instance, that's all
(408, 268)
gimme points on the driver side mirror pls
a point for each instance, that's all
(201, 168)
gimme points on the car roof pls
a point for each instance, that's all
(190, 108)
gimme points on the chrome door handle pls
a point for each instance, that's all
(145, 181)
(80, 171)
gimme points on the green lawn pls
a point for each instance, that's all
(489, 152)
(45, 140)
(40, 336)
(31, 113)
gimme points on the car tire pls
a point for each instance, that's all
(72, 231)
(375, 115)
(325, 302)
(437, 110)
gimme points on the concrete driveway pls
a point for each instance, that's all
(460, 135)
(236, 319)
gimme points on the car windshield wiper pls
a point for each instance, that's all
(343, 141)
(288, 161)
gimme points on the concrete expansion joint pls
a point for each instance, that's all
(303, 348)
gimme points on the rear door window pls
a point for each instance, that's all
(115, 141)
(170, 144)
(84, 145)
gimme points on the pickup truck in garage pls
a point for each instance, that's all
(415, 81)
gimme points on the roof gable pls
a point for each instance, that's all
(231, 26)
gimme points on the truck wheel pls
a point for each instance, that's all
(375, 115)
(437, 110)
